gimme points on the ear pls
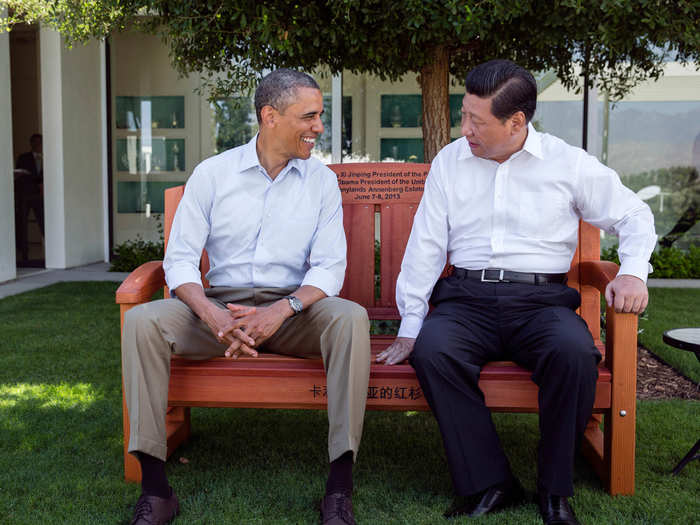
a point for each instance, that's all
(517, 122)
(268, 116)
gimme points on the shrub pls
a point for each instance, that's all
(671, 263)
(129, 255)
(668, 263)
(610, 254)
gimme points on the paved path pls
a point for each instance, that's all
(674, 283)
(31, 279)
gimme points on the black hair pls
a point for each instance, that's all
(277, 89)
(512, 87)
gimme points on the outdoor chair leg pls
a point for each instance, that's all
(690, 456)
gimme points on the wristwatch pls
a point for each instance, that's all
(295, 304)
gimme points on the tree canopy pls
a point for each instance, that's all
(616, 42)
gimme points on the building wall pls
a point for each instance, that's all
(7, 216)
(72, 129)
(82, 142)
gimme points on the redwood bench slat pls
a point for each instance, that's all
(282, 383)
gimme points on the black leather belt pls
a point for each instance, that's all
(496, 275)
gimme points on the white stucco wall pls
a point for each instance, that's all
(7, 216)
(73, 151)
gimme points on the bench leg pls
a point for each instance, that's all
(177, 425)
(620, 449)
(593, 448)
(620, 422)
(611, 453)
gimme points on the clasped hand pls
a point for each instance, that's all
(248, 327)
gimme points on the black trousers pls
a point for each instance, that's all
(538, 328)
(28, 198)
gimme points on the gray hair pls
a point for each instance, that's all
(277, 89)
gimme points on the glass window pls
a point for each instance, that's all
(162, 112)
(157, 133)
(324, 142)
(655, 147)
(384, 121)
(235, 122)
(563, 119)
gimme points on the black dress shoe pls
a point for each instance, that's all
(492, 499)
(336, 509)
(152, 510)
(555, 510)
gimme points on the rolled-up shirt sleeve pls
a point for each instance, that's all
(189, 232)
(605, 202)
(425, 255)
(328, 251)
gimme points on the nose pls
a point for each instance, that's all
(467, 130)
(317, 125)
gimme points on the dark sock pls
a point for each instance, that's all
(340, 476)
(153, 479)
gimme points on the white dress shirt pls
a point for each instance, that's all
(520, 215)
(259, 232)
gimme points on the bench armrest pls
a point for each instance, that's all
(141, 284)
(621, 329)
(598, 273)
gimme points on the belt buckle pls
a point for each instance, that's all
(485, 280)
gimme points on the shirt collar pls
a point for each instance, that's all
(533, 144)
(250, 158)
(250, 155)
(465, 151)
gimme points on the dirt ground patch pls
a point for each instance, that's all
(657, 380)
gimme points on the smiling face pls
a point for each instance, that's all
(490, 137)
(293, 130)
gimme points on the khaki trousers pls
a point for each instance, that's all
(333, 328)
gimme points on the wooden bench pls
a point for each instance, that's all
(385, 196)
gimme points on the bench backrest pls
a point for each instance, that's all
(379, 202)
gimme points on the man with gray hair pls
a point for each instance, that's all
(271, 220)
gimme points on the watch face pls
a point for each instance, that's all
(295, 304)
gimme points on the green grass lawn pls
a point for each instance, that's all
(671, 308)
(61, 450)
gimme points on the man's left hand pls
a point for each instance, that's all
(627, 294)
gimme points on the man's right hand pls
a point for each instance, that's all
(227, 327)
(398, 351)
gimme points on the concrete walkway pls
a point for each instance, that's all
(33, 278)
(673, 283)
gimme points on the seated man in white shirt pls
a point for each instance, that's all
(271, 220)
(503, 204)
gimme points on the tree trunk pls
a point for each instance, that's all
(434, 81)
(686, 221)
